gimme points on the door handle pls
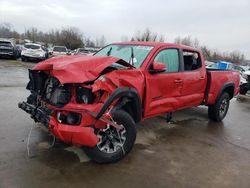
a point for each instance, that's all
(178, 81)
(202, 78)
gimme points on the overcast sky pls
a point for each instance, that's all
(220, 24)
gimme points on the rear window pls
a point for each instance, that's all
(3, 43)
(30, 46)
(60, 49)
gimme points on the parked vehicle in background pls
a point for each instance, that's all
(81, 51)
(8, 48)
(50, 51)
(59, 50)
(73, 52)
(34, 52)
(96, 101)
(19, 48)
(245, 82)
(92, 49)
(69, 52)
(246, 68)
(224, 65)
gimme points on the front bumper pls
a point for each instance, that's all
(80, 135)
(11, 53)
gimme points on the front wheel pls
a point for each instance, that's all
(218, 111)
(114, 144)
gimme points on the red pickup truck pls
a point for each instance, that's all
(96, 101)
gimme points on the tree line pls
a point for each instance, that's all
(72, 38)
(209, 54)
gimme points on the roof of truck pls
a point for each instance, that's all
(156, 44)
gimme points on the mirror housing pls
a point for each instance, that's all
(157, 67)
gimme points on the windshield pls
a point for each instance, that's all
(31, 46)
(126, 52)
(60, 49)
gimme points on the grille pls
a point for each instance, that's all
(5, 50)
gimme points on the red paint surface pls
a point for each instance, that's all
(159, 93)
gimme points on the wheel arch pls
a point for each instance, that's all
(229, 88)
(128, 100)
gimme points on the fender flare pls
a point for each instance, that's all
(121, 92)
(224, 87)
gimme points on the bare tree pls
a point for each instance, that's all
(147, 35)
(187, 41)
(7, 31)
(71, 37)
(89, 42)
(100, 42)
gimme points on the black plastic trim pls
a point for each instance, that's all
(224, 87)
(121, 92)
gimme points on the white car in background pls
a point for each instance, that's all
(32, 51)
(81, 51)
(59, 50)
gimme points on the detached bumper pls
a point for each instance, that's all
(70, 134)
(39, 114)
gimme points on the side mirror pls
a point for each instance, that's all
(158, 67)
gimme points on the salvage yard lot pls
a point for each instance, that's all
(189, 152)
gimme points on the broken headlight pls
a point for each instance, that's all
(57, 94)
(84, 95)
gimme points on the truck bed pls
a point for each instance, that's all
(217, 79)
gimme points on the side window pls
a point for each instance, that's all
(192, 60)
(171, 59)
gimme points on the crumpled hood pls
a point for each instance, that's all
(78, 69)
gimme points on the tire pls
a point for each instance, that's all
(243, 90)
(14, 57)
(218, 111)
(23, 58)
(96, 154)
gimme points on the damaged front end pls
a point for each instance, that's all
(71, 111)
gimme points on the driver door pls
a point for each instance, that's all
(163, 90)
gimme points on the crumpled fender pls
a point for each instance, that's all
(121, 78)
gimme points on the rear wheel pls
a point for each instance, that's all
(114, 144)
(218, 111)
